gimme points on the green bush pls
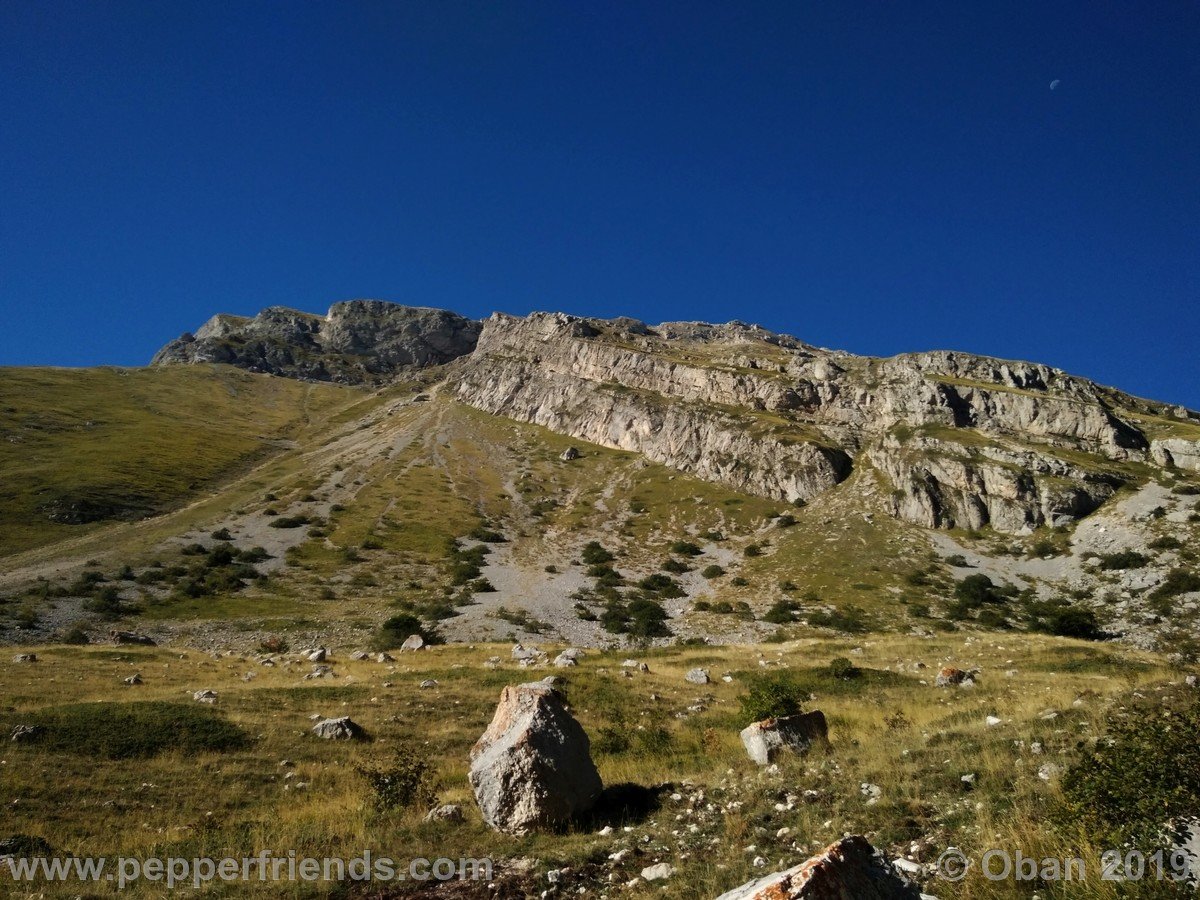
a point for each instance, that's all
(782, 612)
(129, 730)
(685, 548)
(751, 551)
(392, 633)
(1178, 581)
(843, 669)
(713, 571)
(594, 554)
(675, 566)
(1126, 559)
(664, 586)
(290, 521)
(849, 619)
(771, 695)
(1143, 772)
(408, 782)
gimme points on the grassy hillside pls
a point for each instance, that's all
(710, 810)
(80, 447)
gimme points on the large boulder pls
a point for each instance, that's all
(342, 728)
(766, 739)
(850, 869)
(411, 643)
(697, 676)
(532, 767)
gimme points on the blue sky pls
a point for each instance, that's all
(876, 177)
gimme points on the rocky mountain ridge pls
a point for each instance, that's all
(356, 342)
(959, 440)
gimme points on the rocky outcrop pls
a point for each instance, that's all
(1176, 453)
(357, 342)
(849, 868)
(965, 441)
(532, 768)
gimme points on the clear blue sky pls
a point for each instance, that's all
(879, 177)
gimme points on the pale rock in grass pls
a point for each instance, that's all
(205, 696)
(658, 872)
(412, 643)
(25, 658)
(342, 728)
(765, 740)
(532, 767)
(697, 676)
(448, 812)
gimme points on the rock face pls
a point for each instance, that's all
(960, 440)
(532, 767)
(765, 740)
(357, 342)
(850, 869)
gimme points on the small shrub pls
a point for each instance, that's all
(392, 633)
(849, 619)
(787, 520)
(843, 669)
(1178, 581)
(222, 534)
(594, 554)
(685, 548)
(407, 782)
(782, 612)
(1126, 559)
(1144, 772)
(273, 643)
(770, 696)
(290, 521)
(713, 571)
(675, 566)
(752, 550)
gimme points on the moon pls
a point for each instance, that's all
(1054, 84)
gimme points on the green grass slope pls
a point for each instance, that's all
(79, 447)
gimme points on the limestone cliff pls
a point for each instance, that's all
(965, 441)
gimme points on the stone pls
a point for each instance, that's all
(522, 653)
(569, 454)
(532, 768)
(697, 676)
(849, 869)
(949, 676)
(23, 733)
(765, 740)
(133, 679)
(658, 872)
(563, 661)
(317, 655)
(412, 643)
(448, 812)
(342, 728)
(131, 637)
(25, 658)
(360, 655)
(384, 658)
(429, 683)
(205, 696)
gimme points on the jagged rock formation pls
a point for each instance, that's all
(357, 342)
(964, 441)
(958, 441)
